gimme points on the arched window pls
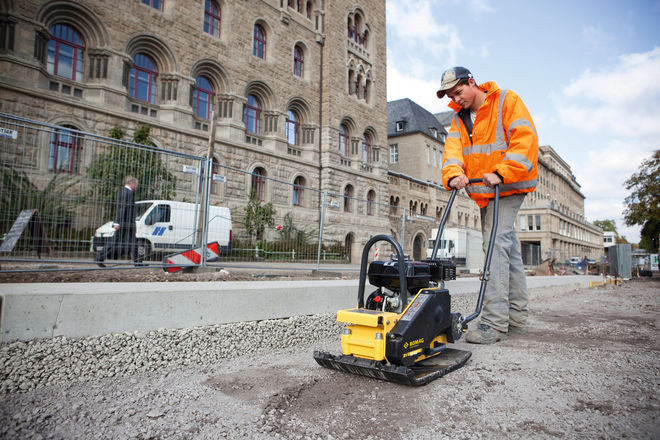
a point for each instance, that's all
(298, 61)
(211, 18)
(252, 115)
(371, 197)
(65, 151)
(203, 97)
(343, 140)
(65, 52)
(292, 128)
(258, 187)
(298, 185)
(143, 79)
(366, 149)
(348, 195)
(259, 46)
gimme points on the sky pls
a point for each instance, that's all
(588, 72)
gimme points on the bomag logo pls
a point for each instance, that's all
(414, 343)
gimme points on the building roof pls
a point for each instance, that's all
(416, 119)
(445, 117)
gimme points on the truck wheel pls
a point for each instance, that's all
(143, 249)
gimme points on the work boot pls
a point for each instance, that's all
(513, 330)
(485, 334)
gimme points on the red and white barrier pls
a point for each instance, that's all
(191, 256)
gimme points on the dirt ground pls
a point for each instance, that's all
(126, 274)
(587, 368)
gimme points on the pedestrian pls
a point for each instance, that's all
(492, 137)
(124, 225)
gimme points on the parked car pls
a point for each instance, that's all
(168, 226)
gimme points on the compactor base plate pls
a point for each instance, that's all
(420, 373)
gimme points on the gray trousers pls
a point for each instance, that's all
(505, 299)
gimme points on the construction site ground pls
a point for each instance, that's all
(588, 367)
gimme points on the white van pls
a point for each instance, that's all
(167, 226)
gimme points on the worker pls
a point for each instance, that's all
(492, 137)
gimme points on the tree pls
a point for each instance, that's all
(258, 216)
(643, 204)
(57, 202)
(142, 161)
(291, 233)
(607, 225)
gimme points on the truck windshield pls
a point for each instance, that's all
(141, 208)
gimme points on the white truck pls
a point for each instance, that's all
(167, 226)
(462, 245)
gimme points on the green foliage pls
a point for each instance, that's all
(56, 203)
(643, 204)
(258, 216)
(290, 233)
(608, 225)
(109, 170)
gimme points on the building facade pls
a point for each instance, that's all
(416, 143)
(296, 88)
(551, 222)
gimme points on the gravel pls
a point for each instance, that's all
(587, 368)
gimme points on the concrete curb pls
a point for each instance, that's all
(89, 309)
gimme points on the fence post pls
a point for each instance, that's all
(403, 228)
(321, 221)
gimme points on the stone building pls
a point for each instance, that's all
(551, 222)
(416, 142)
(297, 89)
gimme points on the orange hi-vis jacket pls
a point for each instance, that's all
(504, 139)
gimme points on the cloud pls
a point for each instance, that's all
(413, 25)
(614, 115)
(405, 85)
(622, 99)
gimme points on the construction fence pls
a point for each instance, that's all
(59, 194)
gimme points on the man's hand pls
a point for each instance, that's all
(459, 182)
(491, 179)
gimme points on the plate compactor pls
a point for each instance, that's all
(401, 332)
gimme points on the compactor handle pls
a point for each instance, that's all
(445, 216)
(363, 268)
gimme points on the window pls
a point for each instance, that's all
(298, 61)
(65, 152)
(343, 140)
(538, 222)
(211, 18)
(291, 128)
(142, 81)
(530, 223)
(434, 132)
(348, 194)
(258, 183)
(428, 154)
(156, 4)
(65, 52)
(435, 157)
(203, 97)
(259, 47)
(161, 214)
(371, 196)
(400, 125)
(523, 223)
(252, 115)
(298, 185)
(366, 149)
(394, 153)
(309, 10)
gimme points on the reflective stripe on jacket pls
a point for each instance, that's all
(504, 139)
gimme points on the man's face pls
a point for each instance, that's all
(463, 94)
(133, 186)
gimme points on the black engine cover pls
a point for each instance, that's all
(427, 317)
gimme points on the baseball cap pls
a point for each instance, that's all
(451, 77)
